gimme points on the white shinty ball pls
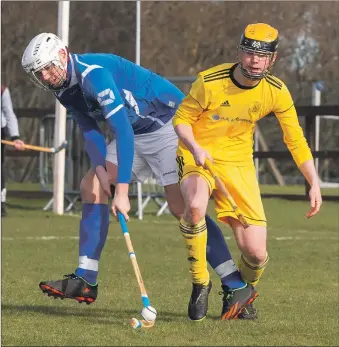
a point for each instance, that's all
(149, 313)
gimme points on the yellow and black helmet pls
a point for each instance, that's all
(259, 38)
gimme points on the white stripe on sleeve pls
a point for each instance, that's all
(114, 111)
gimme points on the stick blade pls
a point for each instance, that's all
(61, 147)
(147, 324)
(141, 323)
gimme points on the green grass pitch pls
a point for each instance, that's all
(298, 295)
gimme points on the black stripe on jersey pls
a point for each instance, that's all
(271, 78)
(273, 83)
(226, 75)
(217, 72)
(221, 73)
(269, 75)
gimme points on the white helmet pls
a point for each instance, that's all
(42, 52)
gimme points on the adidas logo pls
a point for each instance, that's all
(225, 103)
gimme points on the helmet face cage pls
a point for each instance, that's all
(54, 67)
(251, 75)
(262, 48)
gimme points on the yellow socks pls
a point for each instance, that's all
(251, 273)
(196, 240)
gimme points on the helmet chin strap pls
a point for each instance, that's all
(252, 77)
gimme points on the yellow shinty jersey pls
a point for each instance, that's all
(223, 115)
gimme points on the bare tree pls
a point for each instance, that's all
(180, 38)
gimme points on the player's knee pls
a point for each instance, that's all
(256, 256)
(86, 191)
(175, 200)
(193, 214)
(90, 189)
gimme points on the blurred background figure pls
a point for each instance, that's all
(9, 123)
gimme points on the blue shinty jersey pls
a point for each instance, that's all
(149, 100)
(107, 87)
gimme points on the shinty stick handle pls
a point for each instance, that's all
(229, 198)
(32, 147)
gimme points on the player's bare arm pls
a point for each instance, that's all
(297, 145)
(185, 134)
(310, 174)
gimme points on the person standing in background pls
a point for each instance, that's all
(9, 122)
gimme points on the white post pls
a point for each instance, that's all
(60, 121)
(137, 61)
(317, 87)
(137, 34)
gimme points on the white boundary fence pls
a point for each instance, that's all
(317, 89)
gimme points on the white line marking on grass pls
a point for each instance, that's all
(48, 238)
(164, 223)
(310, 237)
(146, 221)
(53, 238)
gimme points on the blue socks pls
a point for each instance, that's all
(219, 256)
(93, 233)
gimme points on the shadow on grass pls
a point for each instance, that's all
(101, 315)
(24, 207)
